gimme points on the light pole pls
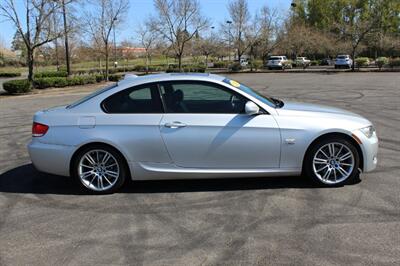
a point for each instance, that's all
(115, 44)
(229, 38)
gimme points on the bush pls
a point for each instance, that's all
(17, 86)
(99, 77)
(394, 62)
(235, 66)
(49, 74)
(315, 62)
(381, 61)
(256, 64)
(220, 64)
(362, 61)
(115, 77)
(10, 74)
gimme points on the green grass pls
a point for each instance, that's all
(95, 64)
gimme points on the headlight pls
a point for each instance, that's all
(368, 131)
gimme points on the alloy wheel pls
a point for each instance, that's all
(333, 163)
(98, 170)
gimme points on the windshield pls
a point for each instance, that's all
(92, 95)
(275, 58)
(267, 100)
(341, 57)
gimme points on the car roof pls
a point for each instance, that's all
(133, 79)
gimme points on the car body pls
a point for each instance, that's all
(278, 62)
(343, 61)
(169, 126)
(244, 62)
(302, 62)
(326, 62)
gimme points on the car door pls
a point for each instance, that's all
(131, 120)
(204, 126)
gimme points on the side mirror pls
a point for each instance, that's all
(251, 108)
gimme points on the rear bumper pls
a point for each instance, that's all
(50, 158)
(369, 147)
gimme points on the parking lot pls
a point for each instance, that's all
(45, 219)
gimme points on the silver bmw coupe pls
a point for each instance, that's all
(170, 126)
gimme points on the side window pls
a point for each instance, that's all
(135, 100)
(200, 97)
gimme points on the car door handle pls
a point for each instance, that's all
(175, 124)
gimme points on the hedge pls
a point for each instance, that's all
(115, 77)
(59, 82)
(394, 62)
(17, 86)
(50, 74)
(186, 68)
(9, 74)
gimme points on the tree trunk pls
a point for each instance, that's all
(30, 64)
(57, 59)
(147, 63)
(66, 38)
(180, 62)
(106, 61)
(353, 55)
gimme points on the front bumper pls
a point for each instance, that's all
(50, 158)
(369, 148)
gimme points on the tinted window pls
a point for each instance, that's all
(200, 97)
(92, 95)
(140, 99)
(275, 58)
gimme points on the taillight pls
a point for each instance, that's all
(38, 130)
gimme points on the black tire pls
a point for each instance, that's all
(122, 166)
(308, 167)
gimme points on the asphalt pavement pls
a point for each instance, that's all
(46, 219)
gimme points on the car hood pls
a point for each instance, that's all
(309, 109)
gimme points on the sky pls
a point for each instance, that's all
(139, 10)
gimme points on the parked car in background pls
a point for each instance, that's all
(326, 62)
(302, 62)
(172, 126)
(244, 62)
(343, 61)
(278, 62)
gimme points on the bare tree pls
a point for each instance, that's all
(178, 21)
(355, 26)
(240, 16)
(36, 30)
(105, 15)
(148, 38)
(207, 46)
(267, 39)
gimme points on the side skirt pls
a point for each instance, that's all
(156, 171)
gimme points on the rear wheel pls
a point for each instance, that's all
(332, 162)
(100, 169)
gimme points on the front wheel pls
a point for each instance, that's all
(99, 169)
(332, 162)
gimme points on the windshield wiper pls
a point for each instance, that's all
(278, 103)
